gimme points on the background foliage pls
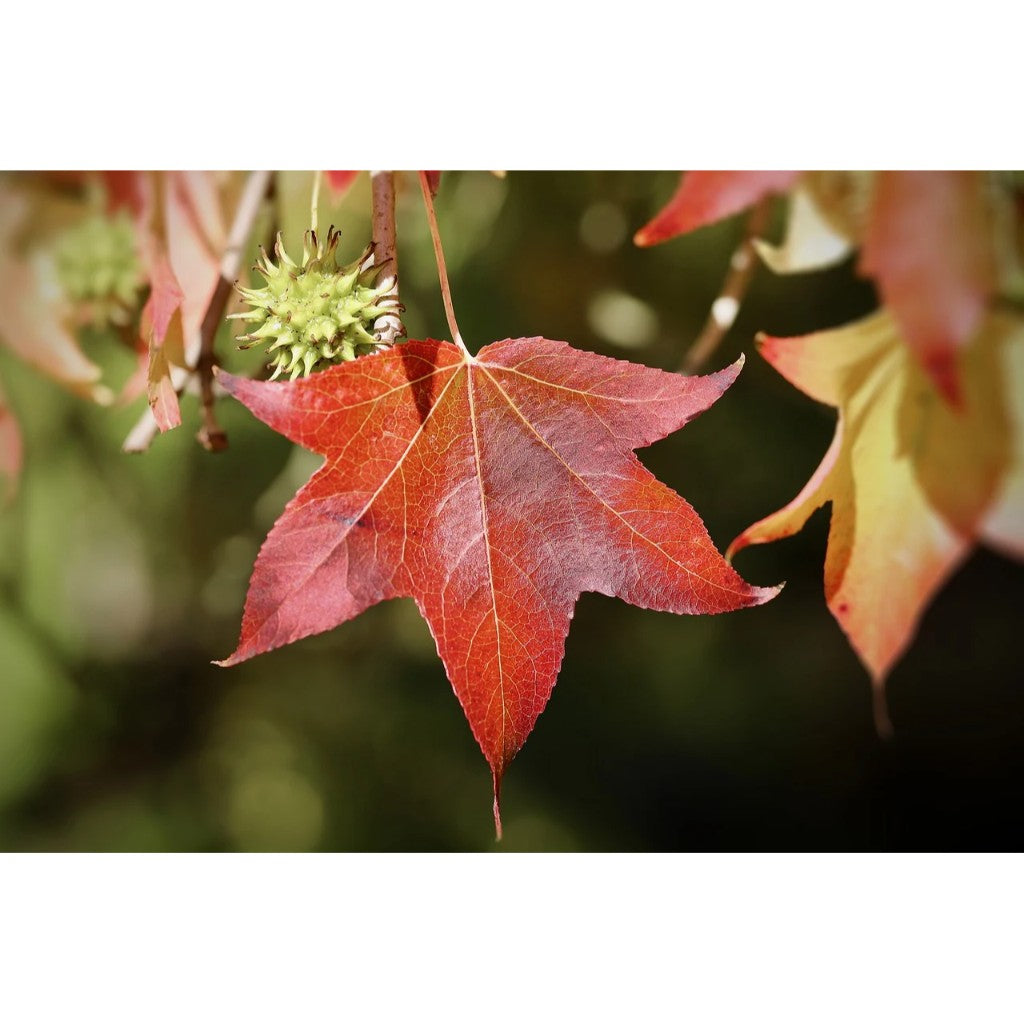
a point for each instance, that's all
(121, 578)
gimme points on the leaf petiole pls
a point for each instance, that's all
(442, 272)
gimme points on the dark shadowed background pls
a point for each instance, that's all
(123, 577)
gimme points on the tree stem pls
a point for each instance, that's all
(388, 327)
(211, 435)
(725, 308)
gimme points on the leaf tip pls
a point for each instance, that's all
(642, 239)
(765, 594)
(732, 371)
(228, 381)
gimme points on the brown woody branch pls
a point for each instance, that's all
(388, 327)
(211, 436)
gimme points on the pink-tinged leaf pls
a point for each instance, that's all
(34, 327)
(493, 490)
(704, 197)
(153, 374)
(200, 202)
(163, 400)
(195, 235)
(181, 231)
(1004, 526)
(433, 182)
(928, 245)
(36, 318)
(10, 448)
(340, 181)
(127, 190)
(165, 295)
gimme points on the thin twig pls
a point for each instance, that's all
(314, 202)
(388, 327)
(442, 272)
(211, 435)
(725, 308)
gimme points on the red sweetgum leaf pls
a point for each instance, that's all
(928, 245)
(704, 197)
(493, 490)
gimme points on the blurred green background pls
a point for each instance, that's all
(123, 577)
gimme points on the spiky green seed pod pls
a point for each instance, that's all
(99, 269)
(315, 314)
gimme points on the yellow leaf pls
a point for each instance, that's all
(910, 478)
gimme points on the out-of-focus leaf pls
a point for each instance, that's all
(164, 298)
(909, 477)
(35, 314)
(195, 244)
(928, 244)
(340, 181)
(182, 232)
(1004, 527)
(706, 196)
(160, 392)
(811, 241)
